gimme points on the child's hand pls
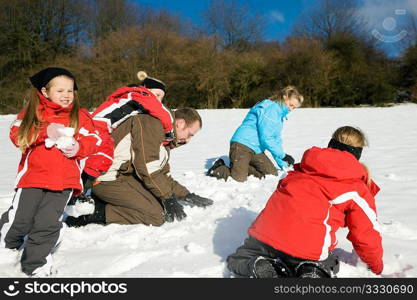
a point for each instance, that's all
(53, 132)
(72, 150)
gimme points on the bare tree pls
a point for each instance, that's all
(32, 30)
(329, 18)
(233, 25)
(106, 16)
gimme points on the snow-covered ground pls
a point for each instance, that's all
(199, 245)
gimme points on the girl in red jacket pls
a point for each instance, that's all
(295, 233)
(48, 174)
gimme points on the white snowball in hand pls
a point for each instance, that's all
(65, 140)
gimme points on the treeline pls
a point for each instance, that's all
(225, 63)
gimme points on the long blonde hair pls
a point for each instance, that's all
(353, 137)
(287, 93)
(31, 122)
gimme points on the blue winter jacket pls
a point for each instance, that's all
(261, 129)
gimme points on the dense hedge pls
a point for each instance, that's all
(104, 43)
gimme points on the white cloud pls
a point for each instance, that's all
(277, 16)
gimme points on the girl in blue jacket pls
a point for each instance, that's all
(259, 131)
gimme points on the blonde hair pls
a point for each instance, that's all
(287, 93)
(353, 137)
(350, 136)
(31, 122)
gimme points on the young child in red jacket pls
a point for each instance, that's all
(295, 233)
(125, 102)
(48, 174)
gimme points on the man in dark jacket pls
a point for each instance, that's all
(138, 187)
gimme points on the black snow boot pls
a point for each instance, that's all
(270, 268)
(97, 217)
(312, 270)
(217, 163)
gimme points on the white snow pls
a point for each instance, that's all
(79, 209)
(199, 245)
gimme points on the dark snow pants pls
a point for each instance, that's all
(37, 214)
(244, 162)
(129, 202)
(242, 262)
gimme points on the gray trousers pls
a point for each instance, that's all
(242, 262)
(37, 214)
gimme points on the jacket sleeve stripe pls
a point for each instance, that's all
(169, 114)
(116, 117)
(115, 124)
(106, 121)
(123, 154)
(327, 238)
(23, 171)
(113, 106)
(16, 123)
(103, 154)
(370, 213)
(342, 199)
(154, 184)
(157, 165)
(118, 112)
(85, 132)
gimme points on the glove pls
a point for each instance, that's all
(53, 132)
(169, 136)
(173, 210)
(289, 159)
(88, 181)
(72, 150)
(197, 200)
(81, 198)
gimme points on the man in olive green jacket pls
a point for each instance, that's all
(138, 187)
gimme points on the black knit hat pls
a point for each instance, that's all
(149, 82)
(41, 79)
(356, 151)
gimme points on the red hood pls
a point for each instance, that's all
(331, 163)
(334, 164)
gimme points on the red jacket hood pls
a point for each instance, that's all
(331, 163)
(334, 164)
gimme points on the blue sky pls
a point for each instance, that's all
(279, 14)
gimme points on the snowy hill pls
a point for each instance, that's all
(199, 245)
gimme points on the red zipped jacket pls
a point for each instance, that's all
(326, 191)
(120, 105)
(49, 168)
